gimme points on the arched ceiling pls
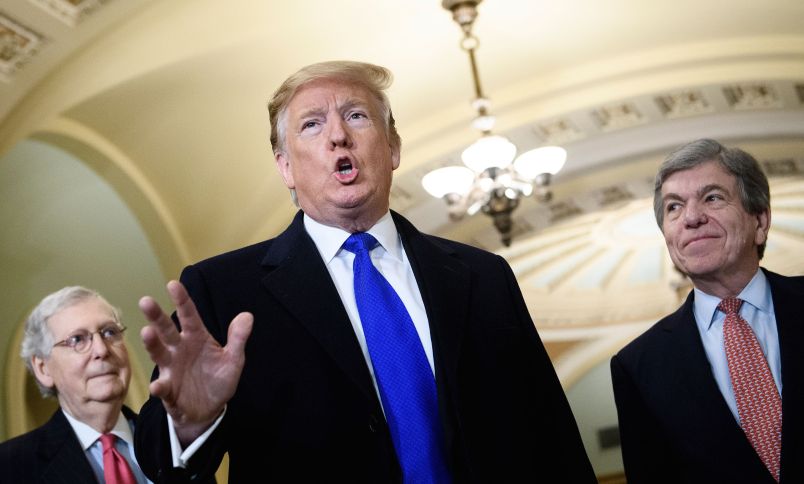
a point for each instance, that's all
(165, 101)
(170, 97)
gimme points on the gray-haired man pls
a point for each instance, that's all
(74, 347)
(715, 391)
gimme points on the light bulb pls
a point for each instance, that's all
(547, 159)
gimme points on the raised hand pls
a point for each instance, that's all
(197, 376)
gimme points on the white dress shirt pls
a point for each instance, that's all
(93, 449)
(389, 258)
(757, 310)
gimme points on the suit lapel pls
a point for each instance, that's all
(790, 325)
(694, 374)
(296, 271)
(62, 459)
(300, 280)
(444, 284)
(710, 418)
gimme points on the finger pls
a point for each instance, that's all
(160, 390)
(188, 315)
(157, 351)
(239, 331)
(150, 308)
(157, 319)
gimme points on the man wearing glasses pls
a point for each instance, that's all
(73, 345)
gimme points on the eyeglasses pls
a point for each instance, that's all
(81, 341)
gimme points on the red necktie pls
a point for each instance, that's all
(115, 467)
(758, 400)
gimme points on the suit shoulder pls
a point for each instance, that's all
(463, 250)
(653, 340)
(236, 263)
(16, 448)
(250, 257)
(795, 281)
(247, 253)
(409, 231)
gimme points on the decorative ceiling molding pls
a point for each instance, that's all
(71, 12)
(617, 116)
(535, 218)
(680, 104)
(755, 95)
(609, 266)
(558, 131)
(661, 116)
(18, 44)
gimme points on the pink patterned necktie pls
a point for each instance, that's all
(115, 467)
(758, 400)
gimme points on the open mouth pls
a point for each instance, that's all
(345, 171)
(344, 167)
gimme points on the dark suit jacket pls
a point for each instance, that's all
(674, 423)
(49, 454)
(306, 410)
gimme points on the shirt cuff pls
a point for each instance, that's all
(181, 457)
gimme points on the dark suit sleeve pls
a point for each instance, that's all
(561, 447)
(646, 454)
(152, 437)
(152, 446)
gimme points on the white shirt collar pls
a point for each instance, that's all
(88, 436)
(329, 239)
(755, 293)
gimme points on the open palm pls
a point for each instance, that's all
(197, 376)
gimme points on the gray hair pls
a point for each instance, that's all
(752, 184)
(38, 340)
(373, 77)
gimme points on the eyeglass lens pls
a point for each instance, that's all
(80, 341)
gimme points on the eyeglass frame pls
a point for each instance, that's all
(91, 338)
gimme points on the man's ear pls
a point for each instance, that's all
(395, 156)
(41, 371)
(283, 165)
(763, 225)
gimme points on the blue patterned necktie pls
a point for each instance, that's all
(403, 374)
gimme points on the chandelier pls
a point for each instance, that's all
(492, 180)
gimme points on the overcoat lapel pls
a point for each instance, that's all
(61, 456)
(693, 374)
(694, 388)
(444, 283)
(790, 324)
(299, 279)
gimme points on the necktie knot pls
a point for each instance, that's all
(107, 441)
(730, 305)
(115, 467)
(359, 242)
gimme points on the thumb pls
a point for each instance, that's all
(239, 331)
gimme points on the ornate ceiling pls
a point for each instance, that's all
(164, 101)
